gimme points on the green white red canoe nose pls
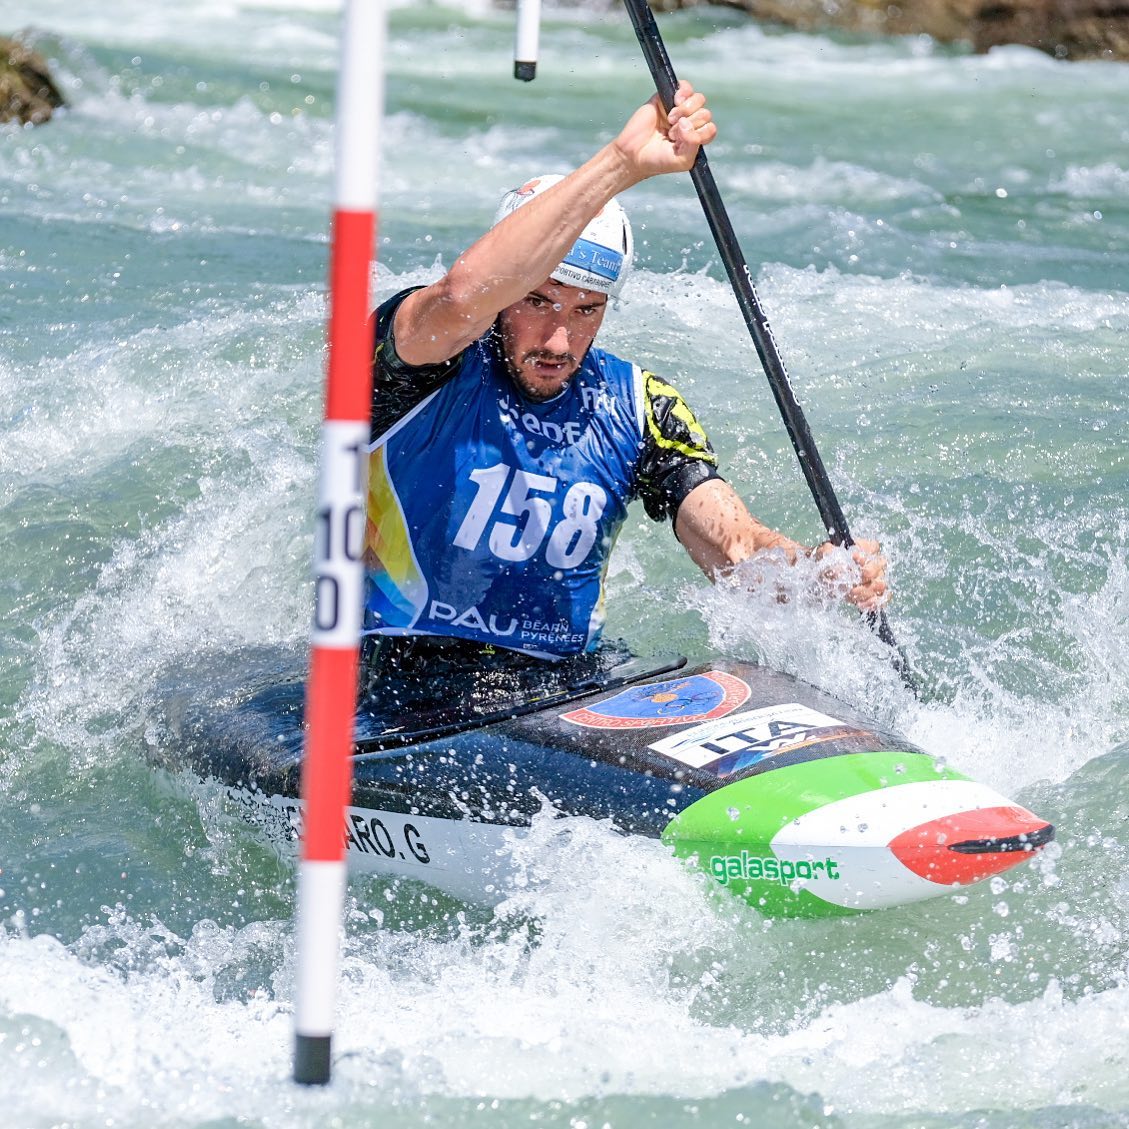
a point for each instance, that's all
(854, 832)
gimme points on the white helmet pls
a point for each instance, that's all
(601, 257)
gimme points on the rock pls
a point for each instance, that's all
(1067, 29)
(27, 92)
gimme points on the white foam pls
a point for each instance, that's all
(1084, 181)
(596, 978)
(826, 181)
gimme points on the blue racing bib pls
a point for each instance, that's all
(492, 518)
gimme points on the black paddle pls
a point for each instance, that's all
(666, 83)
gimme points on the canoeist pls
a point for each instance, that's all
(506, 446)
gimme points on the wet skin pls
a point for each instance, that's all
(546, 334)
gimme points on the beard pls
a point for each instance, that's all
(540, 388)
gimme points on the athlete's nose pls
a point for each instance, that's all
(558, 341)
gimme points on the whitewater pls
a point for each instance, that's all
(941, 243)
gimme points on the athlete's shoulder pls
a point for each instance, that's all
(398, 386)
(671, 422)
(677, 455)
(386, 358)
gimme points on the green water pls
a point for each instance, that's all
(941, 242)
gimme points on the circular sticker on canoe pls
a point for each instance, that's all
(678, 701)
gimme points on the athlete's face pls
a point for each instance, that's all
(547, 333)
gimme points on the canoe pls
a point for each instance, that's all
(786, 796)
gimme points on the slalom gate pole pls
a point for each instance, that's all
(331, 690)
(527, 39)
(796, 424)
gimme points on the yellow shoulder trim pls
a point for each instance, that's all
(681, 411)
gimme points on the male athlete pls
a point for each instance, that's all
(506, 447)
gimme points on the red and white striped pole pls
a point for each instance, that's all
(331, 691)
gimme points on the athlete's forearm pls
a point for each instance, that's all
(717, 530)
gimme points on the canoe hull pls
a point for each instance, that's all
(788, 798)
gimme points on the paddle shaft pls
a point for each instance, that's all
(831, 513)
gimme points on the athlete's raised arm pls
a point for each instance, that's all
(523, 249)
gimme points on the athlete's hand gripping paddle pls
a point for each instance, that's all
(666, 83)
